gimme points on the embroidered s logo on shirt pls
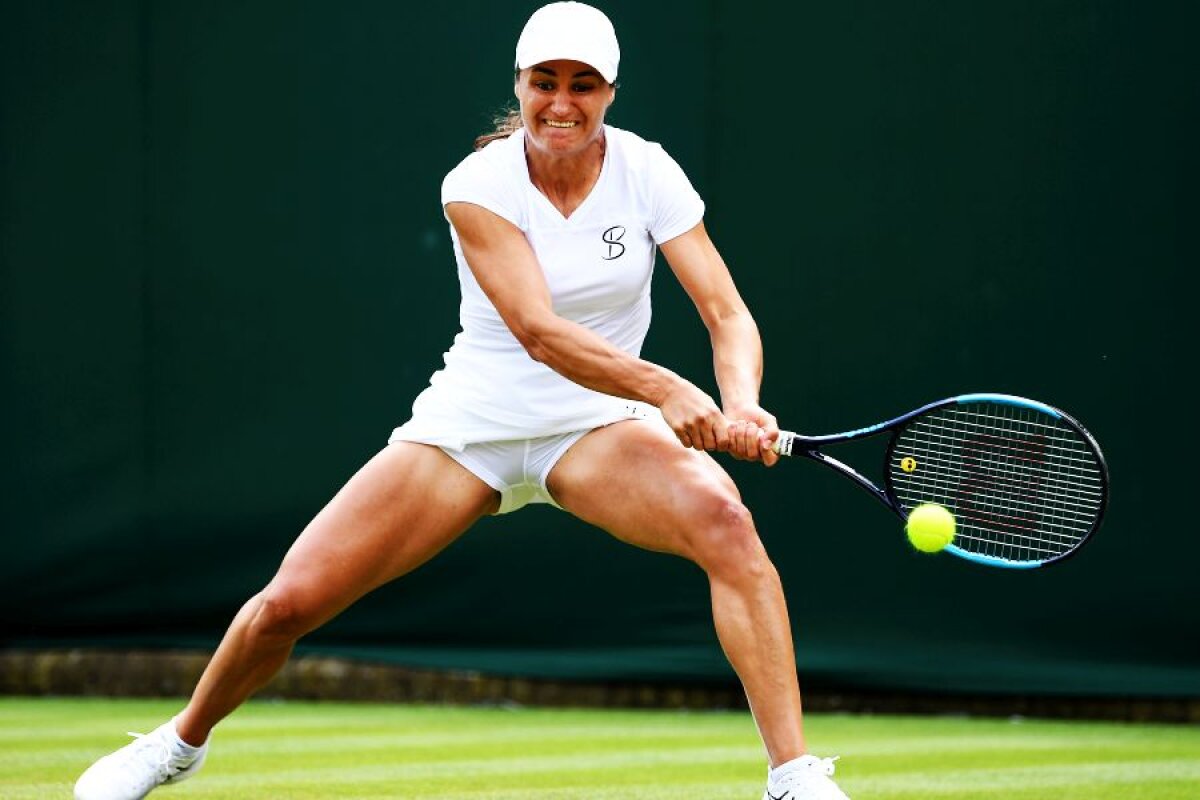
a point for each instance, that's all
(612, 237)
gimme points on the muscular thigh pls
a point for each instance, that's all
(400, 509)
(636, 481)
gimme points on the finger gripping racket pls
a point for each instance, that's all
(1025, 482)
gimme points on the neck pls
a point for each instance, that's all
(568, 178)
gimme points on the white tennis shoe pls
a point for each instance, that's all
(804, 778)
(148, 761)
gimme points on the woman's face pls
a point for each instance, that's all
(562, 105)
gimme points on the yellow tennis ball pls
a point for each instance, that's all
(930, 527)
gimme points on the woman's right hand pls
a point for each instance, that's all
(696, 420)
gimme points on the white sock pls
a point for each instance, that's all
(788, 766)
(180, 745)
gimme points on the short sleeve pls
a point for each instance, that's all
(476, 180)
(677, 207)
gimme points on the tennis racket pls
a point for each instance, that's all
(1026, 483)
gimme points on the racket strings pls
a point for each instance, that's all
(934, 456)
(935, 453)
(1025, 486)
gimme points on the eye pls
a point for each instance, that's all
(583, 88)
(543, 86)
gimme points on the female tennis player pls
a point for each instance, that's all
(543, 398)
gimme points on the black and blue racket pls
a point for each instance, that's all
(1026, 483)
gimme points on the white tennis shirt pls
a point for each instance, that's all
(597, 264)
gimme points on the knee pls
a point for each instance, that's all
(280, 613)
(725, 541)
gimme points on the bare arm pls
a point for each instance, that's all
(506, 268)
(737, 347)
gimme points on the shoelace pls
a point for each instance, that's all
(153, 750)
(826, 764)
(811, 765)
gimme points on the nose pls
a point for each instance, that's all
(561, 105)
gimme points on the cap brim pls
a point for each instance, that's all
(608, 72)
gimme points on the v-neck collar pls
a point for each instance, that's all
(587, 201)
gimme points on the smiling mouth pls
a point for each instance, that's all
(560, 124)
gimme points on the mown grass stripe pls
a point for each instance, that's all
(298, 751)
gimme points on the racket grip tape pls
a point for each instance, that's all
(783, 443)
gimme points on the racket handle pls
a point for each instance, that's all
(783, 443)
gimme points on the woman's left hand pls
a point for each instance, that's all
(752, 432)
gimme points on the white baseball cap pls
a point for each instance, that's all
(573, 31)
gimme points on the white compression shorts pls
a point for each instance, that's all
(518, 468)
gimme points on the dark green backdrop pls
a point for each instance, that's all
(226, 274)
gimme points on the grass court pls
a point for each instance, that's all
(296, 751)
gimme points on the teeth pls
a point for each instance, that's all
(556, 124)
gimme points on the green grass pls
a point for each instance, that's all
(295, 751)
